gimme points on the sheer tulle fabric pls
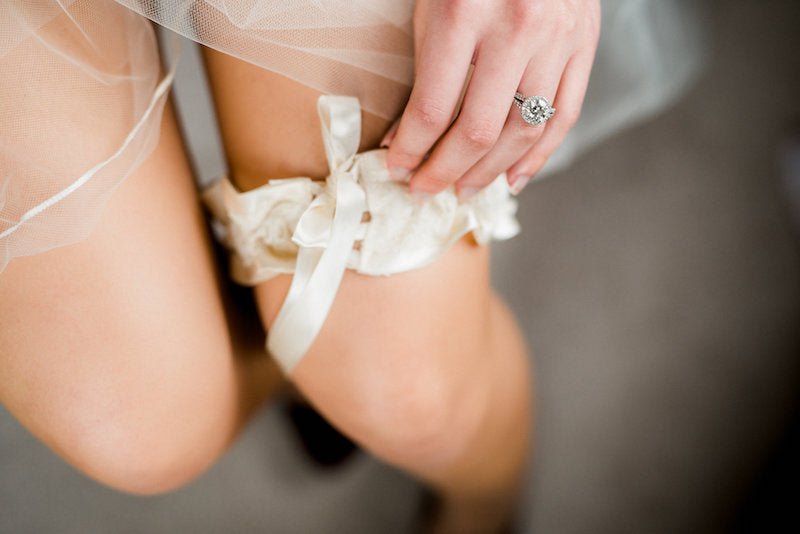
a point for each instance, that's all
(79, 84)
(361, 48)
(82, 87)
(79, 110)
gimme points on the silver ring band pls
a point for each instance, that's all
(535, 110)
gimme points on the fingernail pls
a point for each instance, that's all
(519, 184)
(420, 197)
(466, 193)
(387, 139)
(399, 174)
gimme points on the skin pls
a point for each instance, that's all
(135, 370)
(143, 380)
(439, 390)
(541, 47)
(140, 372)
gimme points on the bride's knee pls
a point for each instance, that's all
(426, 421)
(137, 453)
(145, 430)
(411, 402)
(127, 457)
(401, 364)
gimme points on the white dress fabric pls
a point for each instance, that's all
(358, 219)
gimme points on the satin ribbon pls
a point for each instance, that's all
(325, 235)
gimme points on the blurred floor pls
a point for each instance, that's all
(658, 281)
(661, 295)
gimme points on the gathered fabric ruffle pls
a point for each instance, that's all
(357, 219)
(395, 234)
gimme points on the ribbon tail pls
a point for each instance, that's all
(316, 280)
(341, 128)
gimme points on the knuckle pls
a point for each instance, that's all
(431, 114)
(480, 135)
(592, 16)
(526, 14)
(400, 157)
(454, 9)
(570, 117)
(538, 162)
(528, 134)
(534, 162)
(566, 17)
(435, 181)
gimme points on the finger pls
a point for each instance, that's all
(444, 61)
(420, 28)
(569, 100)
(390, 133)
(479, 124)
(540, 78)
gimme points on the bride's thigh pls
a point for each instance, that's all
(404, 363)
(407, 365)
(115, 351)
(269, 123)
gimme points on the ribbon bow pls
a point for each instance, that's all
(325, 234)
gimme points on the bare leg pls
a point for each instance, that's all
(426, 369)
(116, 351)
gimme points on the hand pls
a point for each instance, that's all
(536, 47)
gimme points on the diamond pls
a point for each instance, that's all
(536, 110)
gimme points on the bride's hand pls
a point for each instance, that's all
(536, 47)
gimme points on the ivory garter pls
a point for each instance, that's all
(358, 219)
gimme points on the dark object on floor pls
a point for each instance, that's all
(326, 446)
(771, 504)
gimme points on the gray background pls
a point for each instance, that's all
(657, 281)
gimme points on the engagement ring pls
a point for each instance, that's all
(535, 109)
